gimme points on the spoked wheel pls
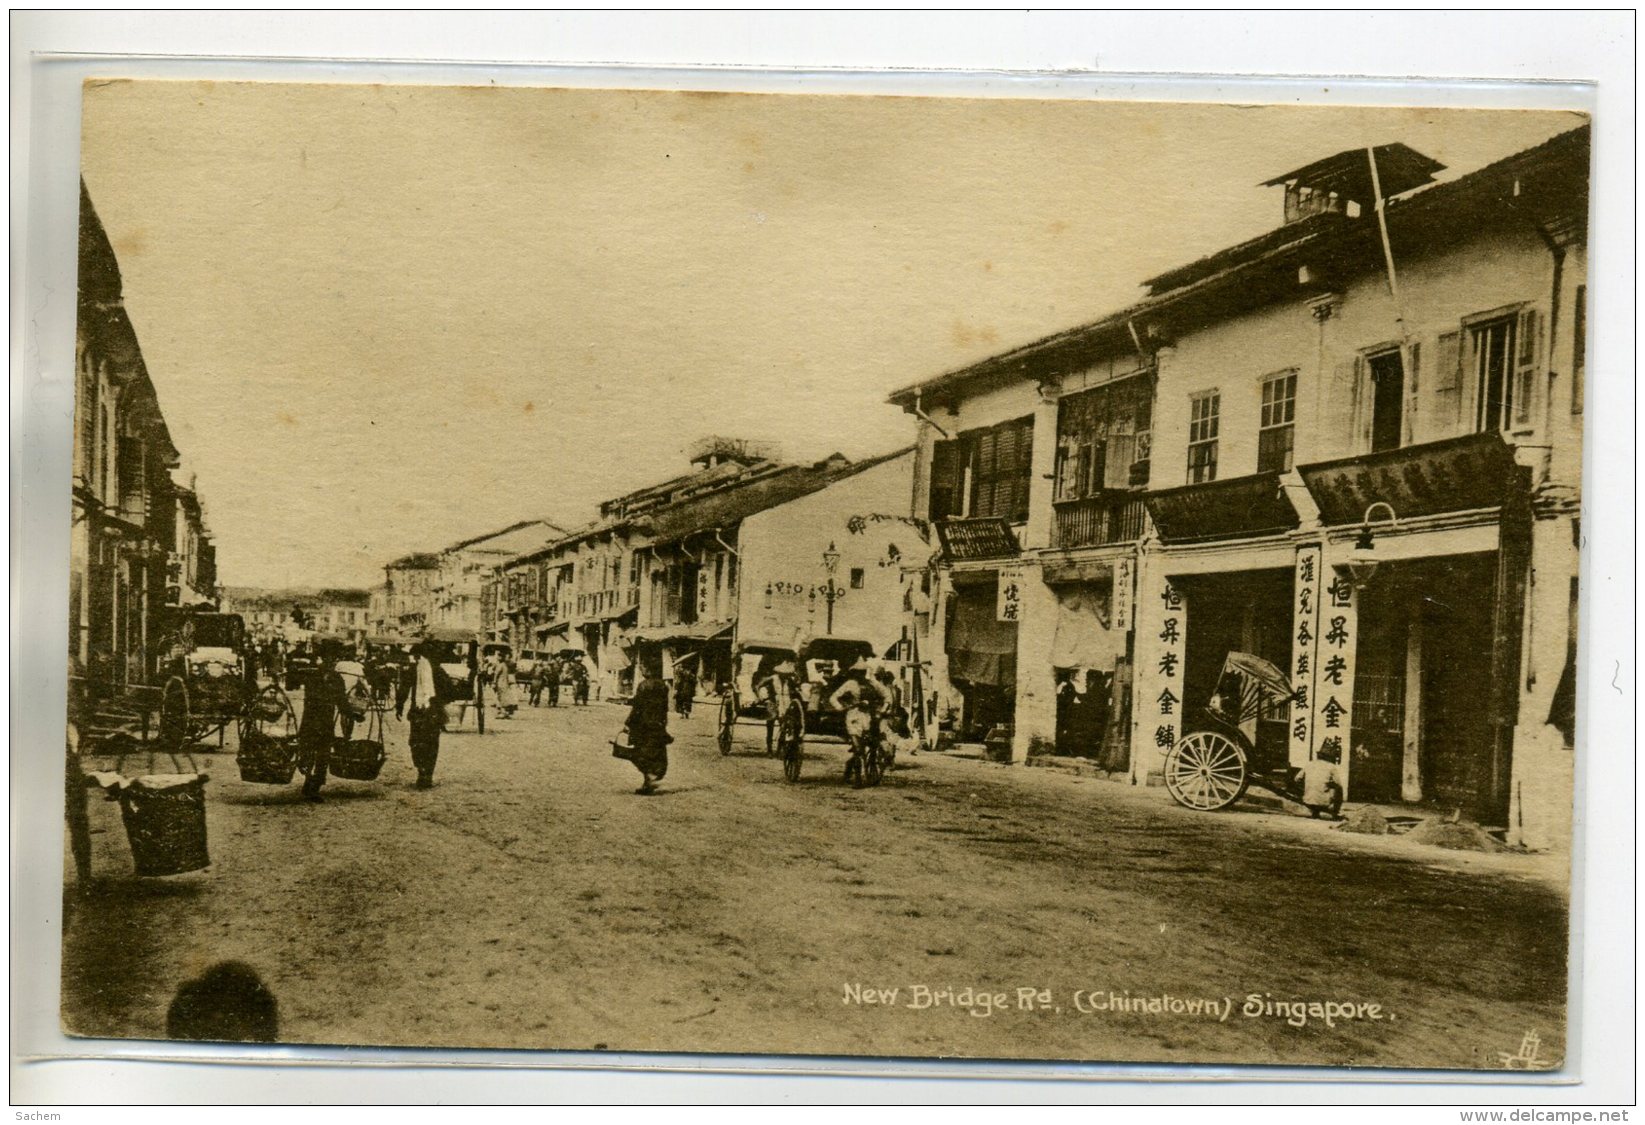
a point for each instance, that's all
(791, 741)
(173, 730)
(1206, 771)
(728, 720)
(873, 764)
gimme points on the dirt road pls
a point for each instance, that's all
(532, 900)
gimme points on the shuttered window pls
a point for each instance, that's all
(988, 467)
(945, 479)
(1001, 463)
(1446, 396)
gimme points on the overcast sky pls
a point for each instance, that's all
(384, 318)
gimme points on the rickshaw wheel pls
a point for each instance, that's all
(1206, 771)
(173, 725)
(728, 719)
(791, 741)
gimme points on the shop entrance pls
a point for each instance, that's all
(1421, 715)
(1248, 611)
(982, 659)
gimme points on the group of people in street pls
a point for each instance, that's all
(550, 674)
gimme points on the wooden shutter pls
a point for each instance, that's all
(1413, 392)
(1121, 451)
(1527, 354)
(945, 479)
(1023, 472)
(1341, 401)
(982, 474)
(1445, 395)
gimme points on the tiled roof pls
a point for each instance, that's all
(985, 537)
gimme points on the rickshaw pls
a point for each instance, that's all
(1237, 740)
(812, 673)
(208, 684)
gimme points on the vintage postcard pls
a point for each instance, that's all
(625, 570)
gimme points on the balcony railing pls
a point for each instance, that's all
(1099, 521)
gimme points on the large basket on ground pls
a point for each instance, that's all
(165, 819)
(267, 754)
(360, 759)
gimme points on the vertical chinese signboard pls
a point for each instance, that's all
(1009, 605)
(1334, 675)
(1172, 638)
(1123, 580)
(1304, 653)
(704, 590)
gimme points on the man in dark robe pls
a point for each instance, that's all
(647, 728)
(323, 695)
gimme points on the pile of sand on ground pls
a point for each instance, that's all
(1461, 835)
(1368, 820)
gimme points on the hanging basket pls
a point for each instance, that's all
(165, 819)
(357, 759)
(360, 759)
(266, 759)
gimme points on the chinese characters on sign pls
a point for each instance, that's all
(1009, 607)
(1123, 579)
(702, 594)
(1304, 654)
(1167, 665)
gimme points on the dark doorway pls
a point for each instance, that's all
(1387, 401)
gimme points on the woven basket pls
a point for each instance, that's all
(166, 826)
(265, 759)
(357, 759)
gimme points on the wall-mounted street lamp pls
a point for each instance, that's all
(1362, 560)
(831, 591)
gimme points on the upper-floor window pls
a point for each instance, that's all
(1502, 355)
(1102, 438)
(1276, 440)
(984, 472)
(1204, 419)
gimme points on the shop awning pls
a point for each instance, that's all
(1064, 572)
(1457, 475)
(1240, 508)
(980, 538)
(551, 630)
(695, 631)
(981, 649)
(1083, 638)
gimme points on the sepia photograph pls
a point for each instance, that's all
(1018, 578)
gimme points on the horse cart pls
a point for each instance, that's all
(1236, 740)
(790, 691)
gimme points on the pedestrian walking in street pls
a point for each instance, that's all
(424, 702)
(685, 689)
(647, 728)
(505, 690)
(539, 677)
(551, 681)
(324, 698)
(579, 682)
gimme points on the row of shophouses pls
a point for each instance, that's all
(744, 550)
(141, 556)
(1350, 447)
